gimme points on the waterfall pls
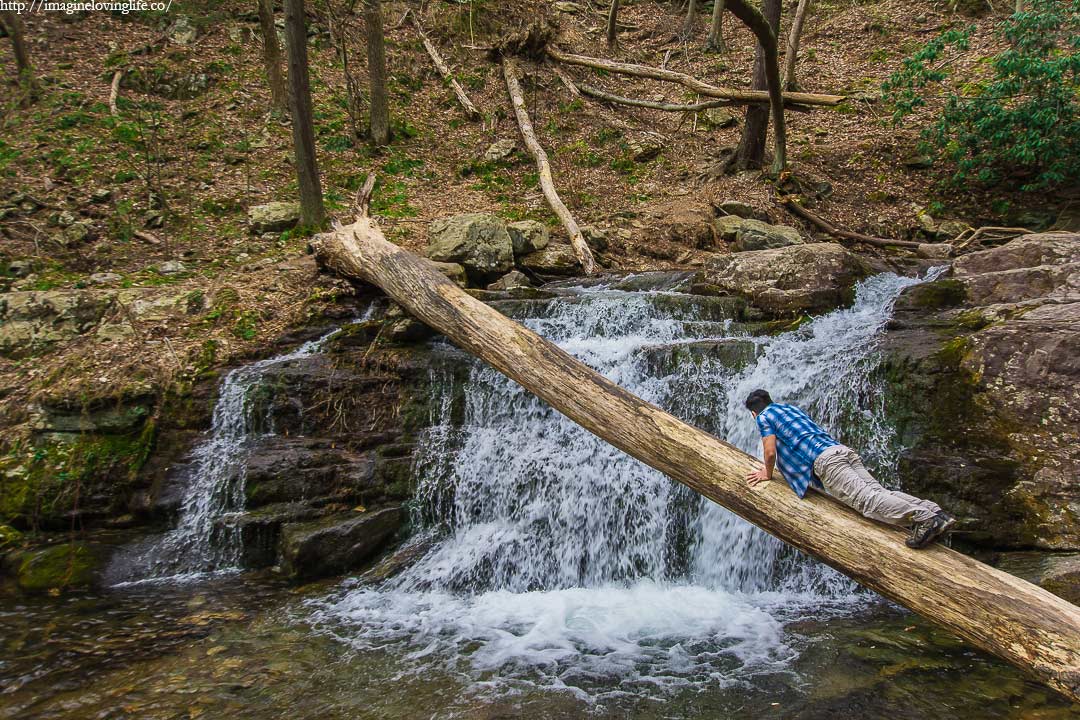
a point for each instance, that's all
(203, 541)
(563, 561)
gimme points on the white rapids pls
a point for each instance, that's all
(566, 564)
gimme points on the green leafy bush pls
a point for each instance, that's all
(1020, 120)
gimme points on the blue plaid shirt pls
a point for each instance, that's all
(799, 441)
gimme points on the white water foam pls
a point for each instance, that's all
(568, 564)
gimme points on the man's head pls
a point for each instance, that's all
(758, 401)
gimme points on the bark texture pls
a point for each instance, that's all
(312, 211)
(995, 611)
(16, 32)
(793, 40)
(547, 183)
(376, 53)
(279, 99)
(613, 24)
(751, 150)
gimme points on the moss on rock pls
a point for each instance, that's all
(58, 567)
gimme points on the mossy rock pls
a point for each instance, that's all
(936, 295)
(70, 565)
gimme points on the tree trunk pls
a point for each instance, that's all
(312, 212)
(691, 15)
(279, 99)
(376, 52)
(995, 611)
(751, 150)
(746, 97)
(547, 183)
(715, 40)
(23, 67)
(793, 45)
(613, 25)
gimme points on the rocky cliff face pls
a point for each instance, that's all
(985, 368)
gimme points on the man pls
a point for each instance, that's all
(808, 456)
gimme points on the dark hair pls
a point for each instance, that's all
(758, 401)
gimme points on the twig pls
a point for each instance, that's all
(986, 230)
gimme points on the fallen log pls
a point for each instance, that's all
(744, 97)
(993, 610)
(114, 92)
(793, 205)
(665, 106)
(547, 183)
(444, 70)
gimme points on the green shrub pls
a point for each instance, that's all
(1021, 121)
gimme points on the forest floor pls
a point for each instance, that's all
(196, 165)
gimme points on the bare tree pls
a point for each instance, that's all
(376, 52)
(342, 38)
(312, 211)
(613, 24)
(793, 45)
(279, 99)
(25, 69)
(715, 40)
(751, 150)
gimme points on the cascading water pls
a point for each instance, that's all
(203, 541)
(564, 562)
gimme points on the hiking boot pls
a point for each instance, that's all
(925, 532)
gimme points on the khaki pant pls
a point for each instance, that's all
(842, 473)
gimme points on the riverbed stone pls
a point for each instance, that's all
(477, 241)
(781, 282)
(336, 544)
(528, 236)
(512, 280)
(273, 217)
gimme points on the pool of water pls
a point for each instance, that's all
(246, 646)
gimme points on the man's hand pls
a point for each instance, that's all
(758, 476)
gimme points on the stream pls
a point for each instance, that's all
(563, 578)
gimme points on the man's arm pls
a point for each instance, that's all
(768, 443)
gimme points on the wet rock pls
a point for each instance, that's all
(512, 280)
(746, 234)
(808, 278)
(499, 150)
(273, 217)
(555, 259)
(73, 416)
(733, 354)
(71, 565)
(528, 236)
(260, 530)
(985, 374)
(1058, 573)
(477, 241)
(336, 544)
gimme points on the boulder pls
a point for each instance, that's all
(171, 267)
(739, 209)
(34, 322)
(512, 280)
(451, 270)
(499, 150)
(596, 238)
(1058, 573)
(719, 118)
(984, 379)
(805, 278)
(71, 565)
(477, 241)
(273, 217)
(182, 31)
(555, 259)
(747, 234)
(643, 148)
(77, 232)
(336, 544)
(528, 236)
